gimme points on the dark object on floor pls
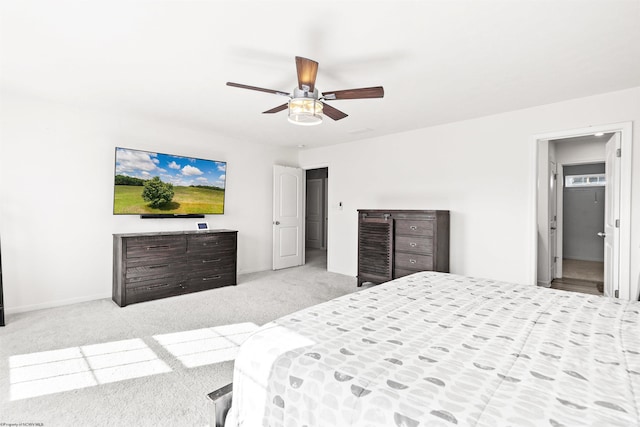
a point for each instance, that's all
(600, 287)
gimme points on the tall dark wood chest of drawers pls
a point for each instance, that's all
(148, 266)
(396, 243)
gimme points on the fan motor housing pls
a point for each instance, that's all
(304, 93)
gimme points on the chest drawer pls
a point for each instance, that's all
(140, 269)
(209, 281)
(413, 262)
(154, 247)
(211, 262)
(155, 290)
(417, 244)
(208, 243)
(414, 227)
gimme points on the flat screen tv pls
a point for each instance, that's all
(166, 185)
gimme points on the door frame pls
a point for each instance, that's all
(626, 138)
(305, 168)
(560, 218)
(553, 223)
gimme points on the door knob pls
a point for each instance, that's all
(601, 234)
(276, 222)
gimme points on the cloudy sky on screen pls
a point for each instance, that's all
(179, 171)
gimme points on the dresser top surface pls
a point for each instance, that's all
(403, 210)
(174, 233)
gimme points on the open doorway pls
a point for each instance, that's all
(316, 217)
(548, 256)
(582, 195)
(572, 223)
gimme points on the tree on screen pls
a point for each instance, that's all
(157, 192)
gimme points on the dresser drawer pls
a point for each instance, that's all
(207, 243)
(413, 227)
(419, 244)
(413, 262)
(155, 247)
(155, 290)
(211, 262)
(212, 280)
(154, 269)
(155, 262)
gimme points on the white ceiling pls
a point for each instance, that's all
(439, 61)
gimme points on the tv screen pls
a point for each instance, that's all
(148, 183)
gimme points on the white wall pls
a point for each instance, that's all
(57, 167)
(481, 170)
(575, 153)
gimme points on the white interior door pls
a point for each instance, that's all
(559, 218)
(325, 212)
(553, 219)
(611, 232)
(287, 216)
(314, 214)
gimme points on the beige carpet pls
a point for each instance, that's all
(148, 364)
(592, 271)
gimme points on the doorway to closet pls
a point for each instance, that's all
(316, 217)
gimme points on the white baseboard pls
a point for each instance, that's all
(52, 304)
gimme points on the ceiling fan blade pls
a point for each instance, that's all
(365, 92)
(261, 89)
(276, 109)
(307, 71)
(332, 112)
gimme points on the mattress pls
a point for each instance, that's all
(436, 349)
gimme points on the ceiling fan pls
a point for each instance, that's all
(305, 105)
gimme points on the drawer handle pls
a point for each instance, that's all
(414, 227)
(157, 247)
(413, 244)
(412, 261)
(162, 285)
(204, 261)
(213, 243)
(159, 266)
(212, 278)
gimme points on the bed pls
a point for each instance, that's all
(436, 349)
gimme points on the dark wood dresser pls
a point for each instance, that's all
(148, 266)
(396, 243)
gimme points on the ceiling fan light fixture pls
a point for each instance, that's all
(305, 111)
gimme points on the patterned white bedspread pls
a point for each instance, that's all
(435, 349)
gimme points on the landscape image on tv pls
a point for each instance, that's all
(156, 183)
